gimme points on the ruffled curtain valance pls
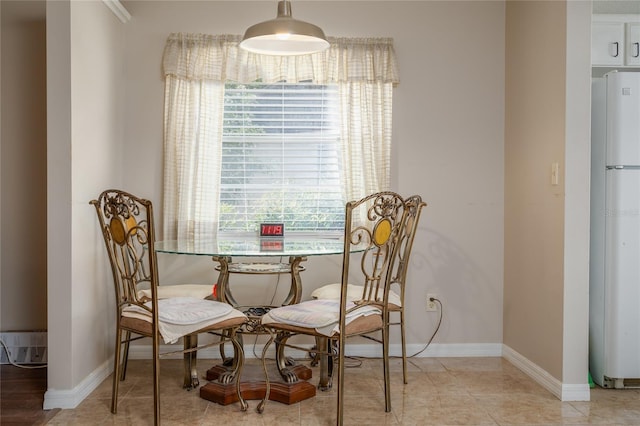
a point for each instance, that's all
(218, 58)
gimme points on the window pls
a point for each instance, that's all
(255, 138)
(281, 158)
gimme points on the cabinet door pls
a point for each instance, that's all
(632, 48)
(607, 43)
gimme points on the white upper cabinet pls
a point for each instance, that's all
(615, 40)
(607, 43)
(632, 47)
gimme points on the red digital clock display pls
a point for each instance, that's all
(272, 229)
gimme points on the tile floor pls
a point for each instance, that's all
(441, 391)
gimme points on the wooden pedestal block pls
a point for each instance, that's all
(253, 386)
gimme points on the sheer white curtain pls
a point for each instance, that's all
(365, 130)
(192, 152)
(196, 67)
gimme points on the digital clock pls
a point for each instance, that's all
(272, 230)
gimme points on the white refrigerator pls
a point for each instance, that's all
(614, 283)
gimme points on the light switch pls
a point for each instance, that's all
(555, 171)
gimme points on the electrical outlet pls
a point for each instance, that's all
(432, 306)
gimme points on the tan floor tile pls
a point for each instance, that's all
(409, 401)
(611, 412)
(361, 410)
(274, 413)
(430, 365)
(474, 364)
(440, 391)
(444, 416)
(92, 411)
(530, 409)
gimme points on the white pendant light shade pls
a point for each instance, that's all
(284, 35)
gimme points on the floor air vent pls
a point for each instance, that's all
(23, 347)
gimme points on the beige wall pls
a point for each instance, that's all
(105, 129)
(448, 142)
(23, 227)
(577, 198)
(85, 75)
(547, 226)
(534, 208)
(61, 373)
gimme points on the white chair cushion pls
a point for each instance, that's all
(199, 291)
(179, 316)
(354, 292)
(322, 314)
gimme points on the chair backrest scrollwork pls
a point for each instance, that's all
(126, 222)
(400, 263)
(373, 226)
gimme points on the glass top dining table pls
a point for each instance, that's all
(224, 249)
(229, 246)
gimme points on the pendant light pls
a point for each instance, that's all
(284, 35)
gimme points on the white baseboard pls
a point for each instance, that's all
(566, 392)
(451, 350)
(371, 350)
(71, 398)
(563, 391)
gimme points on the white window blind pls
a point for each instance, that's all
(281, 160)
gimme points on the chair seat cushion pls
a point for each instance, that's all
(199, 291)
(354, 292)
(143, 326)
(179, 316)
(321, 315)
(360, 325)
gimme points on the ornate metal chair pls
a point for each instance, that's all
(126, 222)
(373, 226)
(413, 208)
(400, 263)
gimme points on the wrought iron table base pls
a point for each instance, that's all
(253, 386)
(289, 380)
